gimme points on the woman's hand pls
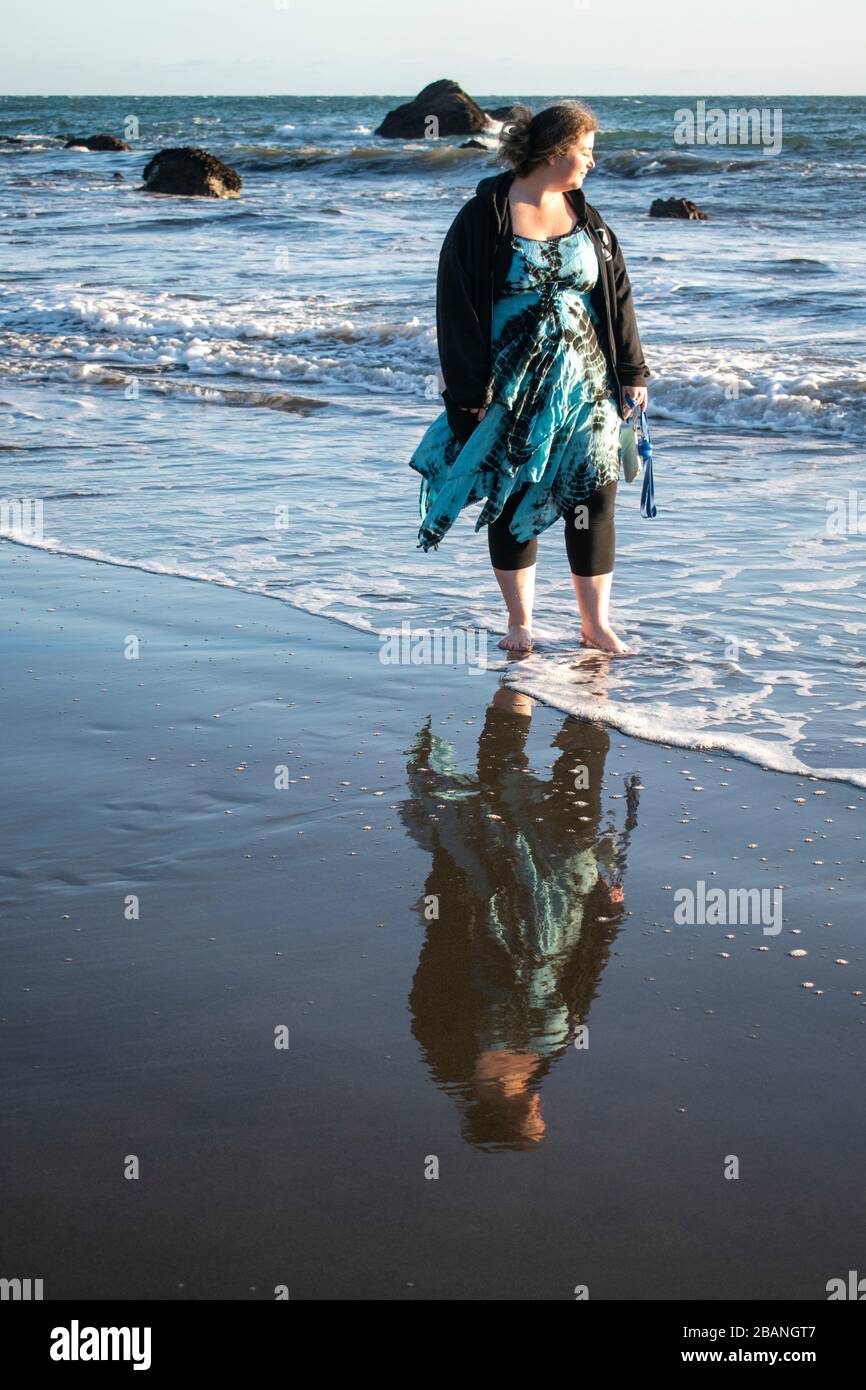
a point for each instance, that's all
(478, 410)
(632, 398)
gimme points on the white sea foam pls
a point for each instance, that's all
(555, 685)
(104, 557)
(769, 391)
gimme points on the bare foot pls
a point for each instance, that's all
(517, 639)
(604, 639)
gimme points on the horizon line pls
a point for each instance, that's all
(388, 96)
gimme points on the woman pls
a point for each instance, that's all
(540, 354)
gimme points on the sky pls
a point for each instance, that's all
(395, 47)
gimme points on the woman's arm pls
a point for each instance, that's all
(631, 368)
(464, 352)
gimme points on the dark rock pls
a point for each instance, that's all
(676, 207)
(117, 174)
(98, 142)
(191, 173)
(472, 145)
(456, 113)
(500, 113)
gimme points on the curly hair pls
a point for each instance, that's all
(527, 140)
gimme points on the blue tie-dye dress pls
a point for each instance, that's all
(553, 423)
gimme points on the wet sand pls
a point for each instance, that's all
(437, 915)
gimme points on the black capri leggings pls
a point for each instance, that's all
(590, 548)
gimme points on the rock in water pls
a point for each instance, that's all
(500, 113)
(456, 113)
(97, 142)
(676, 207)
(191, 173)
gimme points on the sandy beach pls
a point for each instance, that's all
(254, 826)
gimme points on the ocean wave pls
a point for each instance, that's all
(634, 164)
(361, 161)
(790, 265)
(178, 388)
(113, 337)
(190, 332)
(778, 392)
(83, 493)
(242, 398)
(56, 547)
(553, 683)
(28, 143)
(218, 211)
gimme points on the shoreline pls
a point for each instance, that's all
(522, 676)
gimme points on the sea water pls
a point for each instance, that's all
(231, 391)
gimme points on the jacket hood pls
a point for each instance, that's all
(495, 188)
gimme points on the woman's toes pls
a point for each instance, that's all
(517, 639)
(605, 640)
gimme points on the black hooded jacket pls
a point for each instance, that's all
(473, 264)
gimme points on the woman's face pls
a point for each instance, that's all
(573, 166)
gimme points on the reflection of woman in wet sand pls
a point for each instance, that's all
(525, 920)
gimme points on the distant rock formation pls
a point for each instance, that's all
(676, 207)
(97, 142)
(472, 145)
(191, 173)
(500, 113)
(456, 113)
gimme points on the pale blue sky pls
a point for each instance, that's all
(754, 47)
